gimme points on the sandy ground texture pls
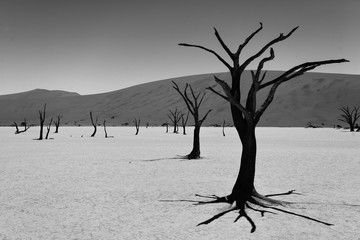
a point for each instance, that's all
(77, 187)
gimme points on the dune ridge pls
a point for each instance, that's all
(313, 97)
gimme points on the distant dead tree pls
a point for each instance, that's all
(57, 122)
(175, 117)
(350, 117)
(167, 126)
(94, 123)
(223, 128)
(42, 115)
(48, 129)
(24, 123)
(106, 135)
(184, 122)
(246, 117)
(137, 125)
(193, 104)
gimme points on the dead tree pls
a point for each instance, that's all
(42, 115)
(48, 129)
(193, 106)
(104, 123)
(57, 122)
(167, 126)
(106, 135)
(94, 123)
(137, 125)
(175, 117)
(350, 117)
(246, 117)
(184, 122)
(24, 123)
(223, 129)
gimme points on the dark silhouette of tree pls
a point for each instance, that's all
(94, 123)
(246, 117)
(137, 125)
(42, 115)
(48, 129)
(184, 122)
(350, 117)
(167, 126)
(193, 104)
(106, 135)
(223, 128)
(175, 117)
(24, 123)
(57, 122)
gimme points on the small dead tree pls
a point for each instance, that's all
(175, 117)
(350, 117)
(94, 123)
(24, 123)
(106, 135)
(104, 123)
(57, 122)
(137, 125)
(246, 117)
(167, 126)
(184, 122)
(48, 129)
(193, 106)
(223, 129)
(42, 115)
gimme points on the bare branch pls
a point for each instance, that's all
(217, 93)
(280, 38)
(247, 40)
(186, 99)
(208, 50)
(231, 55)
(203, 119)
(301, 69)
(230, 98)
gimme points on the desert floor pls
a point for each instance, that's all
(77, 187)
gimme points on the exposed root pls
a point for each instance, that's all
(217, 216)
(242, 213)
(281, 194)
(255, 199)
(216, 199)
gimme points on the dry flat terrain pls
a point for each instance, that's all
(77, 187)
(314, 97)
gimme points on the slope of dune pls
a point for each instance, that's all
(313, 97)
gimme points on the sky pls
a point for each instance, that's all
(96, 46)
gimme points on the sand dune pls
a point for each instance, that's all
(314, 97)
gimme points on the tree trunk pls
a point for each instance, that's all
(244, 185)
(41, 131)
(195, 153)
(352, 128)
(95, 129)
(56, 128)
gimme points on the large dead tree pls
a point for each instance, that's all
(57, 122)
(193, 104)
(246, 117)
(42, 116)
(26, 127)
(175, 117)
(350, 117)
(94, 123)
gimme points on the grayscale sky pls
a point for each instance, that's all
(90, 46)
